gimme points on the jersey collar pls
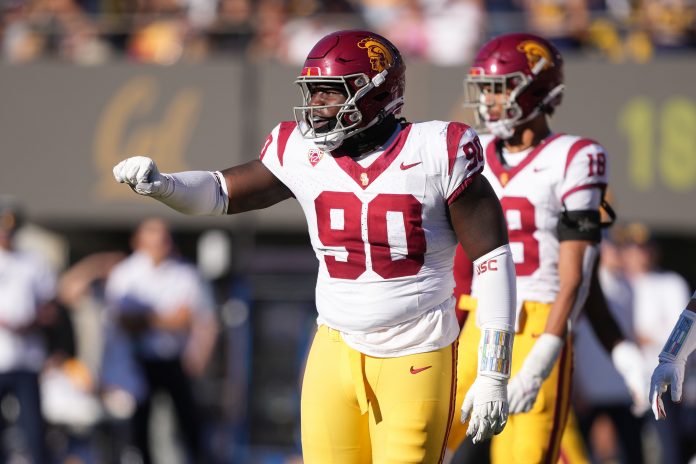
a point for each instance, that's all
(365, 176)
(505, 175)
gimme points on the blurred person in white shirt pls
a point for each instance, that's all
(27, 289)
(165, 310)
(659, 298)
(600, 388)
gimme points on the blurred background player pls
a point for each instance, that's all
(551, 187)
(658, 297)
(386, 202)
(604, 405)
(27, 291)
(165, 310)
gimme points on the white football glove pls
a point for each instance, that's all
(670, 371)
(523, 391)
(486, 407)
(628, 361)
(524, 387)
(666, 374)
(142, 175)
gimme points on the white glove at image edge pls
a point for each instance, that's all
(669, 373)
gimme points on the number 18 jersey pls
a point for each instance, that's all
(564, 171)
(379, 226)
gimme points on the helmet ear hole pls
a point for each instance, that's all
(381, 96)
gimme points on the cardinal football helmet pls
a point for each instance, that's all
(368, 69)
(525, 70)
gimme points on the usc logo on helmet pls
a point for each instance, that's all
(535, 52)
(380, 56)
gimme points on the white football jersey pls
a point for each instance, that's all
(560, 171)
(379, 226)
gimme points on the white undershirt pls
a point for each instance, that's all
(26, 283)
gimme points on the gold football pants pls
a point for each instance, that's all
(358, 409)
(534, 436)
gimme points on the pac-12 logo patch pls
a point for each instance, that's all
(315, 156)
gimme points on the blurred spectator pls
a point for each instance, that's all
(301, 33)
(563, 22)
(232, 29)
(69, 385)
(268, 42)
(21, 41)
(27, 290)
(379, 13)
(443, 32)
(602, 400)
(34, 28)
(503, 16)
(81, 289)
(162, 309)
(455, 29)
(659, 297)
(407, 29)
(160, 41)
(670, 24)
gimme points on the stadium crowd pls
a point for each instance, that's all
(444, 32)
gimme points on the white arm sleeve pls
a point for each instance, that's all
(496, 311)
(495, 289)
(195, 192)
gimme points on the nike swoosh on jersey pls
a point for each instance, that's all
(419, 369)
(408, 166)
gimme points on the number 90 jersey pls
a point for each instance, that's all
(379, 226)
(562, 170)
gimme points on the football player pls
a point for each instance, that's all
(669, 373)
(551, 187)
(386, 202)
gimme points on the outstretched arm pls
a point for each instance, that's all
(479, 223)
(241, 188)
(253, 186)
(669, 373)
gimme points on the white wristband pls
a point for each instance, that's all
(195, 192)
(495, 353)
